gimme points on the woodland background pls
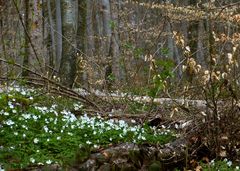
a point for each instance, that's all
(102, 43)
(177, 61)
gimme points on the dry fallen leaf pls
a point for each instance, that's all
(223, 153)
(198, 168)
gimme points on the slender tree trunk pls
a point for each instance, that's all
(45, 37)
(115, 43)
(170, 43)
(59, 41)
(193, 32)
(81, 42)
(26, 40)
(107, 51)
(36, 58)
(2, 47)
(193, 36)
(177, 59)
(173, 49)
(68, 63)
(106, 24)
(82, 16)
(89, 29)
(184, 30)
(99, 27)
(53, 39)
(90, 44)
(200, 47)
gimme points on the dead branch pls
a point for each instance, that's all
(55, 86)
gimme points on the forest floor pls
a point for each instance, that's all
(43, 131)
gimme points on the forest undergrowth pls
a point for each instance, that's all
(38, 130)
(42, 130)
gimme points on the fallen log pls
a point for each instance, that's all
(130, 156)
(144, 99)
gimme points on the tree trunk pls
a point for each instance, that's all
(193, 34)
(81, 42)
(107, 50)
(90, 44)
(2, 47)
(69, 27)
(26, 40)
(52, 60)
(59, 41)
(200, 47)
(170, 42)
(89, 29)
(115, 43)
(177, 59)
(106, 24)
(36, 57)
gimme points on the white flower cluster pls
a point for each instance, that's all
(77, 106)
(53, 125)
(22, 90)
(228, 162)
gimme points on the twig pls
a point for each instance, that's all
(58, 86)
(224, 7)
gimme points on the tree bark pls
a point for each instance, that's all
(107, 42)
(81, 42)
(200, 47)
(170, 43)
(52, 60)
(26, 39)
(90, 44)
(89, 29)
(59, 41)
(115, 43)
(36, 36)
(69, 25)
(106, 24)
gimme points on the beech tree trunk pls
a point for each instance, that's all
(81, 43)
(115, 43)
(59, 39)
(26, 40)
(106, 24)
(170, 41)
(200, 43)
(90, 43)
(69, 27)
(52, 57)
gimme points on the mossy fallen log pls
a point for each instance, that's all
(130, 156)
